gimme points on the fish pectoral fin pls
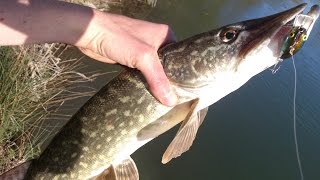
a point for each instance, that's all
(202, 114)
(17, 173)
(165, 122)
(124, 170)
(185, 135)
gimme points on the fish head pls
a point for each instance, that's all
(259, 41)
(220, 61)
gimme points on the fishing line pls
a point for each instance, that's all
(294, 119)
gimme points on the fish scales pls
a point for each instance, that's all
(194, 63)
(82, 137)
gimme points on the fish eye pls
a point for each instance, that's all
(304, 37)
(292, 34)
(229, 35)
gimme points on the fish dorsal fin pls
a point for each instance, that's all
(185, 135)
(165, 122)
(123, 170)
(17, 173)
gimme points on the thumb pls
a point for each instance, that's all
(158, 82)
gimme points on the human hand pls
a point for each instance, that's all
(134, 43)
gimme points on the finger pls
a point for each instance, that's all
(159, 85)
(170, 37)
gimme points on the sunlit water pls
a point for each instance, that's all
(249, 134)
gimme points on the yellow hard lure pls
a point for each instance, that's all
(299, 33)
(293, 42)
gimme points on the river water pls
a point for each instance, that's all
(248, 134)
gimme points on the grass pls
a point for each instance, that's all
(34, 83)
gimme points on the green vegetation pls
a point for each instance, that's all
(34, 83)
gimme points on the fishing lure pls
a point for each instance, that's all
(299, 33)
(293, 42)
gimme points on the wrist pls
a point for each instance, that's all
(99, 25)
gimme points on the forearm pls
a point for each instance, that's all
(39, 21)
(102, 36)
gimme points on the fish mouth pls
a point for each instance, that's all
(274, 27)
(314, 11)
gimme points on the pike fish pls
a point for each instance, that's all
(123, 116)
